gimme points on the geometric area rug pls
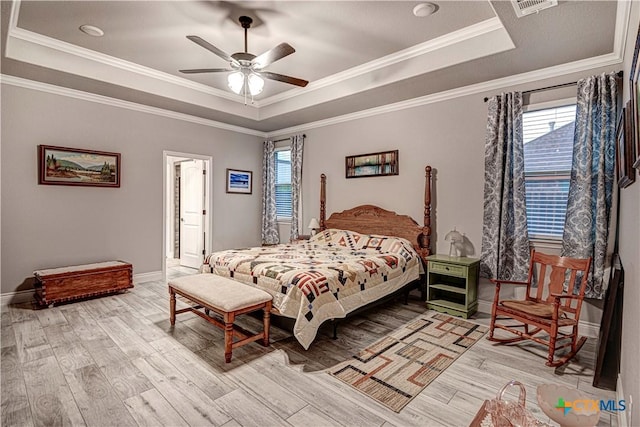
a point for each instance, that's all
(396, 368)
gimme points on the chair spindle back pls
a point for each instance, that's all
(560, 276)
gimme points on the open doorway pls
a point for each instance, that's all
(187, 225)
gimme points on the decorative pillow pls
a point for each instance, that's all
(357, 241)
(348, 239)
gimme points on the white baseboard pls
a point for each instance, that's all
(151, 276)
(587, 329)
(15, 298)
(622, 415)
(20, 297)
(484, 306)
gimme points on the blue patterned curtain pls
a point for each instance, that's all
(297, 143)
(505, 238)
(269, 215)
(586, 228)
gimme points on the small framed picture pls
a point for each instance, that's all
(372, 164)
(74, 166)
(239, 181)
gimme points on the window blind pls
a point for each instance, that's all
(283, 183)
(548, 153)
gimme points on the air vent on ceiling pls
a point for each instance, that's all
(526, 7)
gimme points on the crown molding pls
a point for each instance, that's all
(466, 49)
(27, 46)
(479, 88)
(22, 49)
(111, 61)
(530, 77)
(113, 102)
(447, 40)
(61, 46)
(623, 14)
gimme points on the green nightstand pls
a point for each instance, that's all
(452, 284)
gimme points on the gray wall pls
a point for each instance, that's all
(630, 257)
(449, 136)
(49, 226)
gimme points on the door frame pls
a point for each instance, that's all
(208, 222)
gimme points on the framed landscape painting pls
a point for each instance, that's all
(373, 164)
(73, 166)
(239, 181)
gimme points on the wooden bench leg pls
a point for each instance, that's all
(172, 306)
(266, 321)
(228, 335)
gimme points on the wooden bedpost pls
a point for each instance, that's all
(425, 237)
(323, 201)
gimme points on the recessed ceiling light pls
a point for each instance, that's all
(425, 9)
(92, 30)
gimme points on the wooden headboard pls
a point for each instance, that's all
(370, 219)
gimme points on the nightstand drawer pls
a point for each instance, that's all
(448, 269)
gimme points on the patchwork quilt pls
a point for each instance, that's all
(326, 277)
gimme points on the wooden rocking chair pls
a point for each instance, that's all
(552, 307)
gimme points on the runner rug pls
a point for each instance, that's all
(399, 366)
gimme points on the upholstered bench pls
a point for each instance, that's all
(226, 297)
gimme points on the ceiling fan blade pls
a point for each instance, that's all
(271, 56)
(211, 48)
(206, 70)
(283, 78)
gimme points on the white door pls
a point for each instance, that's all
(191, 213)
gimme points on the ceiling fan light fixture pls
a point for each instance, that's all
(247, 74)
(235, 81)
(256, 84)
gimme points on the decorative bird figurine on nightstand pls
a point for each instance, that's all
(456, 245)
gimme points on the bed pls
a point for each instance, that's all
(360, 256)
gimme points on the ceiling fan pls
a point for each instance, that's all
(248, 69)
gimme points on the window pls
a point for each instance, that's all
(283, 183)
(548, 152)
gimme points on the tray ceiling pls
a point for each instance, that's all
(357, 55)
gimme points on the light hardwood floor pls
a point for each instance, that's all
(116, 361)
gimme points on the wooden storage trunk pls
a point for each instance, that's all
(80, 281)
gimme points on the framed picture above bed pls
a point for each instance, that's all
(74, 166)
(239, 181)
(372, 164)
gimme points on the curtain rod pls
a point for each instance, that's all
(619, 74)
(286, 139)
